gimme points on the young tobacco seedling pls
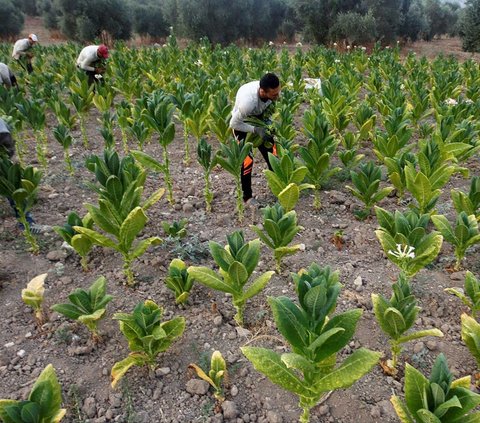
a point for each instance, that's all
(310, 371)
(176, 229)
(279, 229)
(438, 399)
(397, 315)
(64, 137)
(80, 243)
(237, 261)
(367, 181)
(147, 336)
(468, 203)
(405, 240)
(87, 306)
(43, 404)
(470, 296)
(216, 374)
(285, 180)
(32, 296)
(464, 235)
(179, 280)
(471, 336)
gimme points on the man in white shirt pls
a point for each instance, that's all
(22, 51)
(90, 61)
(7, 78)
(252, 100)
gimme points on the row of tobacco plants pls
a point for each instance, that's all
(391, 127)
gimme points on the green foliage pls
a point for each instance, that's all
(438, 398)
(315, 338)
(285, 179)
(43, 404)
(65, 139)
(21, 184)
(179, 280)
(396, 170)
(175, 229)
(471, 336)
(367, 181)
(87, 306)
(120, 213)
(397, 315)
(464, 235)
(354, 27)
(216, 373)
(470, 32)
(208, 161)
(468, 203)
(237, 261)
(470, 296)
(405, 240)
(80, 243)
(147, 336)
(277, 232)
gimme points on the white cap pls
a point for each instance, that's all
(33, 37)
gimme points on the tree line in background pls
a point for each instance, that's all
(224, 21)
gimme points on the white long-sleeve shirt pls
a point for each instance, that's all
(87, 57)
(247, 103)
(20, 48)
(5, 75)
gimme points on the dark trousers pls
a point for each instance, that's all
(247, 165)
(7, 144)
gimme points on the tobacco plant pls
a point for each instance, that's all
(20, 185)
(65, 139)
(87, 306)
(147, 336)
(216, 374)
(285, 180)
(470, 295)
(396, 317)
(277, 232)
(396, 171)
(80, 243)
(175, 229)
(367, 181)
(81, 97)
(32, 296)
(471, 336)
(179, 280)
(405, 240)
(468, 203)
(315, 337)
(43, 403)
(236, 262)
(438, 399)
(464, 235)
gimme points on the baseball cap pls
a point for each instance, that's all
(102, 51)
(33, 37)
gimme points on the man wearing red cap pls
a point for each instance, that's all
(22, 51)
(90, 60)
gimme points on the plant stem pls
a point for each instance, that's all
(305, 417)
(239, 316)
(83, 262)
(28, 235)
(240, 205)
(168, 179)
(83, 129)
(208, 193)
(316, 199)
(68, 161)
(127, 270)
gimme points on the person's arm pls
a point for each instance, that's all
(84, 63)
(239, 114)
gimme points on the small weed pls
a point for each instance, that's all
(63, 335)
(75, 401)
(189, 249)
(130, 415)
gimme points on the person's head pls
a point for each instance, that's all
(33, 39)
(102, 51)
(269, 87)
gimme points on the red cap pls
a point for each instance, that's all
(102, 51)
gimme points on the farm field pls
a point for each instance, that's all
(409, 124)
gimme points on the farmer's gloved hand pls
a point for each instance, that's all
(258, 130)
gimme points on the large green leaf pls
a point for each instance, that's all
(401, 410)
(143, 245)
(53, 401)
(353, 368)
(209, 278)
(131, 227)
(416, 386)
(97, 238)
(258, 285)
(122, 367)
(270, 364)
(288, 197)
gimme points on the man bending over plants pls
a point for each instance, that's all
(7, 148)
(91, 61)
(251, 102)
(7, 78)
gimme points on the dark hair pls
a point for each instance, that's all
(269, 81)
